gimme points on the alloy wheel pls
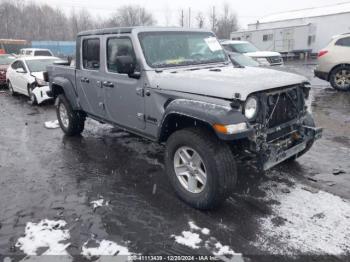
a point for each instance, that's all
(190, 170)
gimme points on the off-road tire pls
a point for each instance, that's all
(76, 119)
(332, 78)
(10, 87)
(219, 162)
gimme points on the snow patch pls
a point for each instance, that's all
(104, 248)
(194, 241)
(45, 234)
(99, 203)
(52, 124)
(188, 239)
(306, 222)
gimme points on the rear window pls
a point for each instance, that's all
(343, 42)
(91, 54)
(42, 53)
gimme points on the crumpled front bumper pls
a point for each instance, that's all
(41, 93)
(277, 154)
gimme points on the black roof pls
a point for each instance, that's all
(128, 30)
(115, 30)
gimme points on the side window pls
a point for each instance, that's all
(14, 65)
(343, 42)
(91, 54)
(118, 47)
(268, 37)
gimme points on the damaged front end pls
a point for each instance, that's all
(283, 128)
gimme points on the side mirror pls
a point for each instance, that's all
(20, 70)
(126, 65)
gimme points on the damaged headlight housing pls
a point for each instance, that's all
(251, 108)
(40, 82)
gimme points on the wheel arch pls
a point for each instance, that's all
(336, 67)
(175, 121)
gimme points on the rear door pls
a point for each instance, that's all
(88, 77)
(124, 97)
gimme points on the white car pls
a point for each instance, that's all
(26, 76)
(334, 63)
(35, 52)
(264, 58)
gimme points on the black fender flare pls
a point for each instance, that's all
(60, 83)
(207, 113)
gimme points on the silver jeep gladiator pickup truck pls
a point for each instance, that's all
(178, 87)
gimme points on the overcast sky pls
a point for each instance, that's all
(167, 12)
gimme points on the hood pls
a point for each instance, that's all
(263, 54)
(39, 75)
(223, 82)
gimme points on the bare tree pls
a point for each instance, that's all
(227, 22)
(132, 15)
(200, 20)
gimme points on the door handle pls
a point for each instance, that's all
(84, 80)
(108, 84)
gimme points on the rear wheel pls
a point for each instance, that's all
(71, 121)
(200, 167)
(340, 78)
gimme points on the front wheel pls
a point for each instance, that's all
(12, 92)
(201, 168)
(32, 96)
(71, 121)
(340, 78)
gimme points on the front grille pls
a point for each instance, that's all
(275, 59)
(282, 107)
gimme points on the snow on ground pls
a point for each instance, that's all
(193, 240)
(99, 203)
(103, 248)
(52, 124)
(189, 239)
(306, 222)
(45, 234)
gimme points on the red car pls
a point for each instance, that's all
(5, 61)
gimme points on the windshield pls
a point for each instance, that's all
(39, 65)
(241, 48)
(243, 60)
(6, 59)
(169, 49)
(42, 53)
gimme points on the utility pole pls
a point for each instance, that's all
(214, 19)
(182, 18)
(189, 17)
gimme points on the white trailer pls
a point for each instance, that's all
(305, 30)
(295, 39)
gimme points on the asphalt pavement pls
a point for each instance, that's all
(106, 193)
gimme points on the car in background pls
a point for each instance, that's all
(35, 52)
(26, 76)
(264, 58)
(5, 61)
(238, 59)
(334, 63)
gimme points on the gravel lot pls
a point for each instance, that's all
(106, 192)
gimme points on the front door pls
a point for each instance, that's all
(123, 94)
(88, 77)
